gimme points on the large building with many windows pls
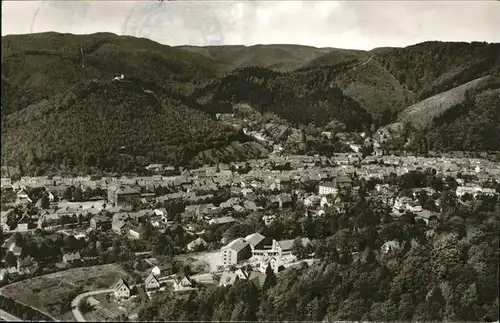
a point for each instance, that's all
(237, 250)
(121, 195)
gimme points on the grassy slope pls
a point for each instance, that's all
(436, 105)
(472, 126)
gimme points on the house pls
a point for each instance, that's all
(161, 212)
(195, 244)
(250, 205)
(140, 217)
(235, 251)
(151, 261)
(27, 265)
(151, 283)
(123, 195)
(136, 232)
(327, 188)
(283, 182)
(182, 283)
(284, 200)
(390, 246)
(4, 275)
(227, 278)
(243, 273)
(207, 279)
(122, 216)
(222, 220)
(256, 240)
(280, 249)
(119, 227)
(155, 167)
(100, 222)
(25, 222)
(122, 289)
(246, 191)
(162, 270)
(23, 197)
(270, 261)
(284, 247)
(343, 182)
(11, 245)
(12, 271)
(72, 258)
(327, 134)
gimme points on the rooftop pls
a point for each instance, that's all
(237, 244)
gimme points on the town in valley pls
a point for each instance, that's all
(180, 230)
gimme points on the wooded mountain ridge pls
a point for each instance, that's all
(61, 108)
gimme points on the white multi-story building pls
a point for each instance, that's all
(327, 189)
(235, 251)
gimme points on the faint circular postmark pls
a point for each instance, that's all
(186, 22)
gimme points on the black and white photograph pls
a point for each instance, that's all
(250, 161)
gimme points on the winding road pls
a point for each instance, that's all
(74, 303)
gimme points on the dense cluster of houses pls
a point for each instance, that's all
(196, 189)
(267, 183)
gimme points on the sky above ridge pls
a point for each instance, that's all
(342, 24)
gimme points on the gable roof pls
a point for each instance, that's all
(27, 261)
(178, 279)
(223, 220)
(121, 282)
(72, 256)
(328, 184)
(257, 278)
(118, 224)
(228, 278)
(151, 278)
(288, 244)
(254, 239)
(126, 190)
(237, 245)
(101, 219)
(343, 179)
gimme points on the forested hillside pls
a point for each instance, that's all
(113, 125)
(473, 125)
(299, 97)
(443, 271)
(58, 96)
(432, 67)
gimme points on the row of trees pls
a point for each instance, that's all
(24, 312)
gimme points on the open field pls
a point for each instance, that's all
(53, 293)
(85, 205)
(211, 259)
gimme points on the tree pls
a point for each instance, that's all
(298, 248)
(78, 194)
(84, 306)
(68, 193)
(10, 259)
(45, 202)
(271, 280)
